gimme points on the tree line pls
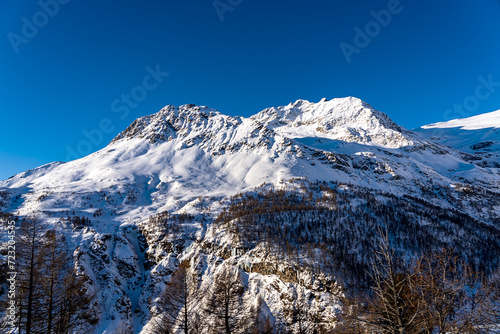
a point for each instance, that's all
(332, 229)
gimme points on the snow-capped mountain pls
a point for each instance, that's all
(349, 120)
(193, 162)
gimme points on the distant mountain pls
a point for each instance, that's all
(478, 135)
(331, 172)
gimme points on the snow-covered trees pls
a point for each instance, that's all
(333, 228)
(301, 316)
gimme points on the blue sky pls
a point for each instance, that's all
(75, 73)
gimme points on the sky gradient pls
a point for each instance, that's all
(76, 73)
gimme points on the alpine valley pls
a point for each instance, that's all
(291, 197)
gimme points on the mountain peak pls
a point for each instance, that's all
(346, 109)
(172, 121)
(348, 119)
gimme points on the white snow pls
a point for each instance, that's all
(478, 134)
(483, 121)
(172, 160)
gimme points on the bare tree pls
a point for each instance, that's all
(225, 302)
(438, 293)
(56, 264)
(29, 245)
(176, 303)
(161, 324)
(73, 312)
(395, 308)
(455, 298)
(52, 298)
(391, 307)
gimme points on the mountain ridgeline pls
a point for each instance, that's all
(281, 212)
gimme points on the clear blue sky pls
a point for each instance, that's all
(69, 74)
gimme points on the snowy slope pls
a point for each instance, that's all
(478, 135)
(191, 159)
(483, 121)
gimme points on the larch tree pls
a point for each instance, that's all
(455, 298)
(391, 306)
(28, 250)
(225, 306)
(175, 307)
(437, 293)
(51, 297)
